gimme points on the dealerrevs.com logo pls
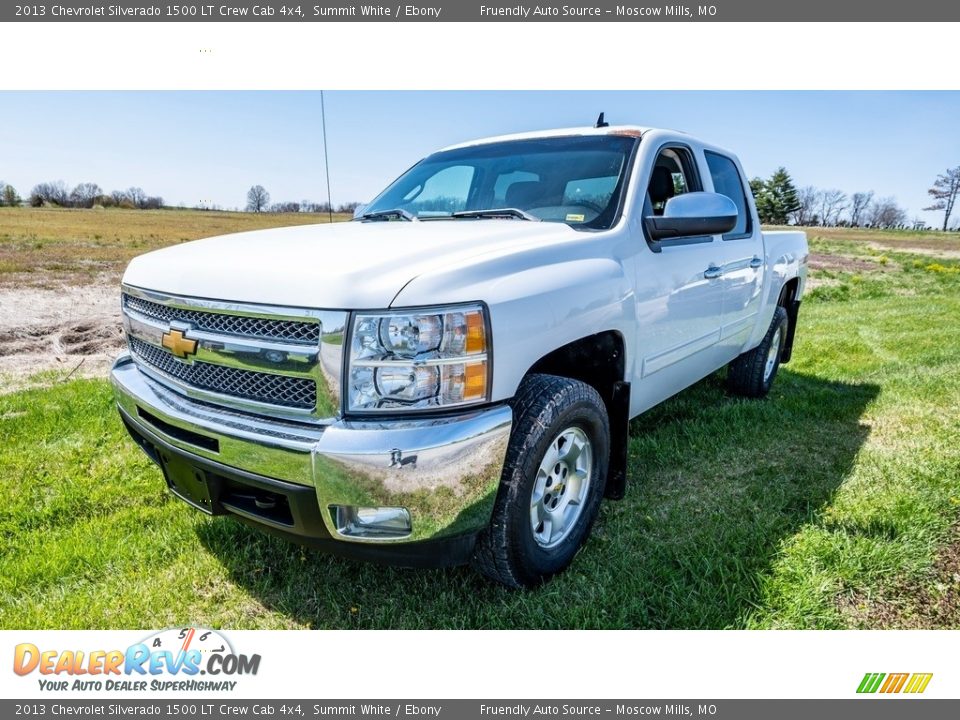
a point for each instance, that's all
(180, 659)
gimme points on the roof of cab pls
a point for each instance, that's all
(633, 130)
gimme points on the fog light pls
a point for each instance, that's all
(374, 523)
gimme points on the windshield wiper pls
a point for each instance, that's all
(398, 213)
(509, 212)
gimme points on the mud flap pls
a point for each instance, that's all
(793, 310)
(618, 411)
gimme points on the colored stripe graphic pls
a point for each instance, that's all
(894, 683)
(918, 682)
(870, 682)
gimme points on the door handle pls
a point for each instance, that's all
(712, 272)
(756, 262)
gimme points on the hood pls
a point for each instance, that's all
(352, 265)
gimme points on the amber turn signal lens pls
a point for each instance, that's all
(475, 381)
(476, 333)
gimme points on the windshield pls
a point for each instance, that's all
(572, 180)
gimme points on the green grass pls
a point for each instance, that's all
(786, 512)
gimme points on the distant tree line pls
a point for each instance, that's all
(779, 202)
(258, 201)
(83, 195)
(834, 208)
(89, 195)
(306, 206)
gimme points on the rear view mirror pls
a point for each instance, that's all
(692, 214)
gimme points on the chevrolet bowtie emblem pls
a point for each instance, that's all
(178, 344)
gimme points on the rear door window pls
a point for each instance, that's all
(727, 181)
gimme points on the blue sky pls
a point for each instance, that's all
(193, 147)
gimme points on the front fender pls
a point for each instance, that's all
(538, 302)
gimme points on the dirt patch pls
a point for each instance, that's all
(931, 602)
(824, 261)
(814, 281)
(87, 337)
(907, 241)
(74, 329)
(912, 247)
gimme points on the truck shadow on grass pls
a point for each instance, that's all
(717, 484)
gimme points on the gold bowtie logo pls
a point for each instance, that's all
(177, 343)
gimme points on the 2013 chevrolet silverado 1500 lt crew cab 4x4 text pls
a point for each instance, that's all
(450, 377)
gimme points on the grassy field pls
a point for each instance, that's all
(832, 504)
(37, 244)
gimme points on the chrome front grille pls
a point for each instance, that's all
(260, 387)
(239, 325)
(269, 360)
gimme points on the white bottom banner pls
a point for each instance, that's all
(179, 662)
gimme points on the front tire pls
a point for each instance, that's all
(752, 374)
(552, 483)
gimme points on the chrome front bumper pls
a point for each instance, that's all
(444, 471)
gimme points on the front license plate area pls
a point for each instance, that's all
(188, 483)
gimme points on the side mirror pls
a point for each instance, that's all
(358, 211)
(692, 214)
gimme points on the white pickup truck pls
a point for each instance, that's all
(450, 377)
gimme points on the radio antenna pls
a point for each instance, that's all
(326, 155)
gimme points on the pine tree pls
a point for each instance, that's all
(761, 196)
(783, 197)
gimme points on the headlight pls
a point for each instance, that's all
(418, 360)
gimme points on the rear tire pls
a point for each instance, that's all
(552, 483)
(752, 374)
